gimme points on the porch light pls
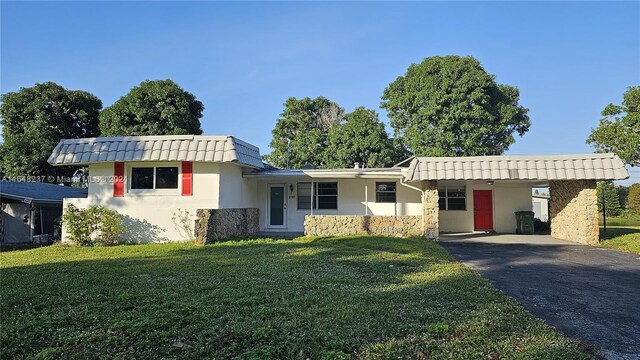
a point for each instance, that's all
(291, 188)
(489, 182)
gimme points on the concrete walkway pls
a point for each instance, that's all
(588, 293)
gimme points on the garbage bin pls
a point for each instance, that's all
(524, 222)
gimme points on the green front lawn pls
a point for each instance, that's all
(625, 238)
(332, 298)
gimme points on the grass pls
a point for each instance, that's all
(620, 221)
(625, 238)
(322, 298)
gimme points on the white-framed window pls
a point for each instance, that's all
(452, 197)
(385, 192)
(154, 178)
(325, 196)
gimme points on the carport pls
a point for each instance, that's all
(481, 193)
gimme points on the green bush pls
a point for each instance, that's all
(93, 226)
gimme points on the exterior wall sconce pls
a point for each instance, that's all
(291, 188)
(489, 182)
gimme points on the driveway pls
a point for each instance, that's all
(588, 293)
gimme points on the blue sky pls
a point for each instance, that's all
(242, 60)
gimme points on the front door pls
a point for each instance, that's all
(482, 210)
(277, 206)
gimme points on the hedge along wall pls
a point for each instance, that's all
(340, 225)
(218, 224)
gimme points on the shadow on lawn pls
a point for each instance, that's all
(322, 298)
(613, 232)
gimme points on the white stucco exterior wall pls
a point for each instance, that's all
(351, 201)
(508, 197)
(148, 216)
(236, 192)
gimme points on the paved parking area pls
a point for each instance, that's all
(588, 293)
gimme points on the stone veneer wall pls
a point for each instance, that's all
(340, 225)
(217, 224)
(431, 209)
(573, 210)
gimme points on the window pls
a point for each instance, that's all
(386, 192)
(452, 198)
(148, 178)
(304, 196)
(166, 178)
(142, 178)
(325, 196)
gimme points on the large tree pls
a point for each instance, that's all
(450, 106)
(300, 134)
(619, 130)
(360, 138)
(35, 119)
(158, 107)
(611, 199)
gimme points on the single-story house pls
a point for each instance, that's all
(540, 204)
(222, 182)
(29, 210)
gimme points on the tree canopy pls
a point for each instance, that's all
(300, 136)
(612, 201)
(450, 106)
(633, 198)
(361, 138)
(158, 107)
(619, 130)
(33, 122)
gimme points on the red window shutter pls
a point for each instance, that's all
(187, 178)
(118, 179)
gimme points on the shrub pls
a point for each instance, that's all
(93, 226)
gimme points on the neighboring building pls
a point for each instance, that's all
(540, 206)
(147, 179)
(29, 210)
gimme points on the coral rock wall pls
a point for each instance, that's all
(340, 225)
(573, 210)
(217, 224)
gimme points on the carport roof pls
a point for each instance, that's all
(29, 192)
(518, 167)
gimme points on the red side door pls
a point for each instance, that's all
(482, 210)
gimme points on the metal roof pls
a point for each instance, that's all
(348, 173)
(39, 192)
(156, 148)
(518, 167)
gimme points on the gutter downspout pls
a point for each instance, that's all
(421, 204)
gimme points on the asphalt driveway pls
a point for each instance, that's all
(588, 293)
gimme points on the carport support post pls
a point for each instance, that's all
(430, 209)
(573, 210)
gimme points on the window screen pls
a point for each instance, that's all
(385, 192)
(327, 195)
(452, 198)
(304, 196)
